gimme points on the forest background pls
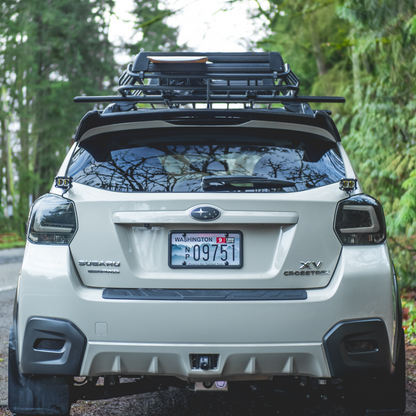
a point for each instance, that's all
(365, 50)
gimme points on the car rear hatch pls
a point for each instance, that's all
(206, 208)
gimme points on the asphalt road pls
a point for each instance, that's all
(6, 307)
(10, 263)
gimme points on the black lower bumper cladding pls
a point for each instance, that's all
(52, 346)
(343, 361)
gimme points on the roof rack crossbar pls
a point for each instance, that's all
(152, 99)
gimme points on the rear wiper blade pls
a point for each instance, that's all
(242, 183)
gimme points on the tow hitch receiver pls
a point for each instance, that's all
(204, 361)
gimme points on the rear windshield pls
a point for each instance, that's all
(178, 160)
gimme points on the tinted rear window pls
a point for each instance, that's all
(176, 160)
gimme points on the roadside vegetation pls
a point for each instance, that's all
(9, 238)
(409, 317)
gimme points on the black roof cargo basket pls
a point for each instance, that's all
(183, 78)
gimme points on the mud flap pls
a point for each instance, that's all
(382, 397)
(35, 395)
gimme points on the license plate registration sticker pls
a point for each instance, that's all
(206, 250)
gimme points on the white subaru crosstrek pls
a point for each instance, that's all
(200, 236)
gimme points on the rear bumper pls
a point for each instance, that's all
(235, 361)
(254, 339)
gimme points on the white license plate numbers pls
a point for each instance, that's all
(205, 250)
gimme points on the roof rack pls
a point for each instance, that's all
(181, 78)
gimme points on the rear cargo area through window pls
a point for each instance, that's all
(177, 160)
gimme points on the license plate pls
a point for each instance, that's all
(222, 250)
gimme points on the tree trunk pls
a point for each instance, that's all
(316, 45)
(356, 74)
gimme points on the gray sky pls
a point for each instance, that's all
(202, 25)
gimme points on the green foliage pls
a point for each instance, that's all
(380, 134)
(311, 37)
(364, 50)
(409, 319)
(51, 51)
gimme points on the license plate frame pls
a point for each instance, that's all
(177, 259)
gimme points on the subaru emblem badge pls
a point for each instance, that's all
(205, 213)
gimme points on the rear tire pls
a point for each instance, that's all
(381, 396)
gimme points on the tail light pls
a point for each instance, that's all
(52, 221)
(360, 221)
